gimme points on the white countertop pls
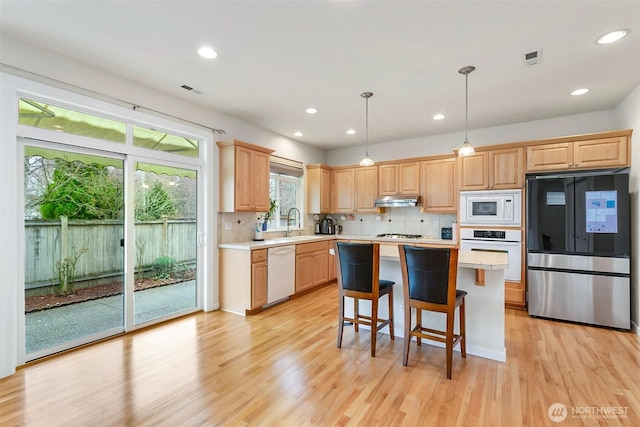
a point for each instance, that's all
(483, 260)
(283, 241)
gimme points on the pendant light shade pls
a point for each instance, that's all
(366, 160)
(466, 149)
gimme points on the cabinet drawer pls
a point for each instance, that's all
(259, 255)
(311, 247)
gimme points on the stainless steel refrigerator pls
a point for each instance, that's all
(578, 247)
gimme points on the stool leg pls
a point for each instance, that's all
(390, 296)
(449, 339)
(340, 319)
(419, 324)
(356, 314)
(407, 334)
(463, 332)
(374, 326)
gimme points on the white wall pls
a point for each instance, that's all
(628, 117)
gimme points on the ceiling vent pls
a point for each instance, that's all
(532, 58)
(190, 89)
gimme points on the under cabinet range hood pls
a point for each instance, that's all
(397, 201)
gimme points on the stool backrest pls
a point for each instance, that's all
(429, 274)
(357, 266)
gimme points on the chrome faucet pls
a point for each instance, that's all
(289, 219)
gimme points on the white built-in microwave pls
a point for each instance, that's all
(491, 207)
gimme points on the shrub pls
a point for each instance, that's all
(163, 267)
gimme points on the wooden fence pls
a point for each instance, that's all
(49, 242)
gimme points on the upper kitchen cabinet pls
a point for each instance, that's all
(399, 178)
(355, 189)
(318, 189)
(439, 185)
(493, 170)
(343, 195)
(366, 189)
(244, 176)
(604, 152)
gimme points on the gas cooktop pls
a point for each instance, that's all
(399, 236)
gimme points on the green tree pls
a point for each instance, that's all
(81, 191)
(154, 203)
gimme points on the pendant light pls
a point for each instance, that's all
(366, 160)
(466, 149)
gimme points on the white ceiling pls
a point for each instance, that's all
(278, 57)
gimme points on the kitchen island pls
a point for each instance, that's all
(485, 323)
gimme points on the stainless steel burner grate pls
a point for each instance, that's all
(399, 236)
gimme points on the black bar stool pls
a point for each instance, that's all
(429, 283)
(358, 273)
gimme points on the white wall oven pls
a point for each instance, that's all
(491, 208)
(508, 241)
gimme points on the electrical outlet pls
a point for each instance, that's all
(227, 225)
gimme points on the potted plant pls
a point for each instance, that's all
(273, 205)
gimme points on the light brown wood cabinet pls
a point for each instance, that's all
(343, 194)
(242, 279)
(514, 295)
(258, 278)
(312, 265)
(331, 273)
(366, 179)
(514, 292)
(399, 178)
(492, 170)
(318, 189)
(244, 177)
(439, 190)
(354, 189)
(581, 154)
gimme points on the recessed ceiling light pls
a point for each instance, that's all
(612, 36)
(297, 134)
(207, 52)
(311, 110)
(438, 116)
(579, 92)
(351, 132)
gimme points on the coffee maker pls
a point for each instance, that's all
(327, 226)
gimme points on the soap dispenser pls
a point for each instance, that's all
(257, 235)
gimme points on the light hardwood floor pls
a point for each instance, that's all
(281, 367)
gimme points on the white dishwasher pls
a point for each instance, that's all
(281, 276)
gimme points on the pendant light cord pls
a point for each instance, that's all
(466, 106)
(366, 122)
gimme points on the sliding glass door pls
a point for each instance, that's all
(165, 241)
(73, 248)
(76, 269)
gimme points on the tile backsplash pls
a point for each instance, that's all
(239, 226)
(396, 220)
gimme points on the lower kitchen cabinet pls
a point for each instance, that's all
(514, 294)
(258, 278)
(242, 289)
(312, 265)
(332, 264)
